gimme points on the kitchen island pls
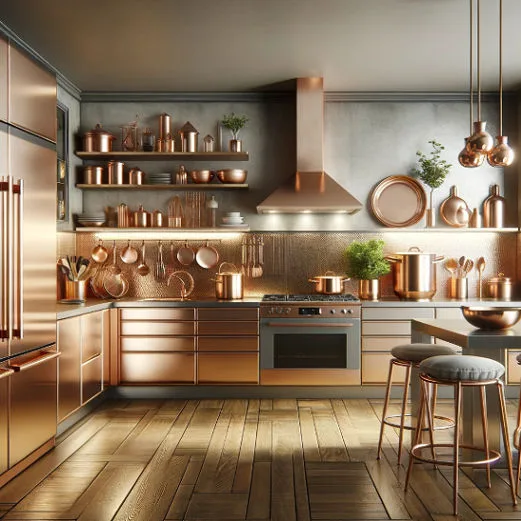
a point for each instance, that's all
(473, 341)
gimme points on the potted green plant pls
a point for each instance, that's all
(432, 170)
(234, 124)
(366, 262)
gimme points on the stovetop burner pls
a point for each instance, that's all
(315, 297)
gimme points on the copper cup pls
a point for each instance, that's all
(115, 172)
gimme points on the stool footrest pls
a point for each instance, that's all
(493, 455)
(448, 423)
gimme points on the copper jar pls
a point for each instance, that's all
(93, 175)
(115, 172)
(499, 288)
(136, 176)
(98, 140)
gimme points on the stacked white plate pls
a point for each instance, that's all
(85, 219)
(233, 219)
(163, 178)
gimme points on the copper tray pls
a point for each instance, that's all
(398, 200)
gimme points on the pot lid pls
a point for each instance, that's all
(100, 131)
(501, 278)
(188, 128)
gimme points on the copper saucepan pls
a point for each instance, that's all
(329, 284)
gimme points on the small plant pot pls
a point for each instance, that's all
(235, 145)
(369, 289)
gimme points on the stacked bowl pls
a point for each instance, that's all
(162, 178)
(233, 219)
(90, 219)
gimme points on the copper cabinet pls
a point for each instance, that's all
(157, 346)
(5, 373)
(92, 336)
(69, 375)
(32, 95)
(4, 93)
(228, 345)
(91, 381)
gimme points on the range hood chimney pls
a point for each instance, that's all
(310, 190)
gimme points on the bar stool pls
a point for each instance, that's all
(459, 372)
(517, 433)
(408, 356)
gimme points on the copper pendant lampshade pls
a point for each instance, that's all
(502, 154)
(470, 159)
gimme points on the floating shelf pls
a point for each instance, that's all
(172, 187)
(219, 230)
(438, 230)
(166, 156)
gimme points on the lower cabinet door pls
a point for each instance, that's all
(375, 369)
(228, 368)
(157, 368)
(91, 378)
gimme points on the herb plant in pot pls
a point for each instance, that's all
(432, 170)
(234, 124)
(366, 262)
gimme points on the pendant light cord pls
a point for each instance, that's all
(479, 59)
(500, 67)
(471, 2)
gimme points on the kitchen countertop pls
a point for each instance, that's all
(92, 305)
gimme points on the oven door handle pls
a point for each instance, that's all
(298, 324)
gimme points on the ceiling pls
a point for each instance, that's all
(239, 45)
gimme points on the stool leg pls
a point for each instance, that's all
(517, 439)
(386, 405)
(506, 439)
(484, 424)
(417, 432)
(404, 408)
(457, 407)
(430, 402)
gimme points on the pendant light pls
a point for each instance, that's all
(502, 154)
(480, 142)
(467, 158)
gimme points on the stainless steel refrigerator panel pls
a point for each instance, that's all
(34, 286)
(33, 402)
(4, 78)
(5, 374)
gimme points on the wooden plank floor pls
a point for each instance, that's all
(281, 459)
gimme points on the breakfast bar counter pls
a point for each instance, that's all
(473, 341)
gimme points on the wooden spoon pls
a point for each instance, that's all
(480, 266)
(451, 265)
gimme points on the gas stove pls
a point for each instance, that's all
(315, 297)
(315, 306)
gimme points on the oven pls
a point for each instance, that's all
(310, 335)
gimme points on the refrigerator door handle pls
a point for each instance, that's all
(4, 373)
(42, 357)
(18, 331)
(4, 246)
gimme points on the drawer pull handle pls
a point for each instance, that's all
(298, 324)
(37, 360)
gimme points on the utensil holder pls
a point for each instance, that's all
(459, 288)
(75, 290)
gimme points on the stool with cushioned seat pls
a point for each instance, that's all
(408, 356)
(460, 372)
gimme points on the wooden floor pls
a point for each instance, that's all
(240, 459)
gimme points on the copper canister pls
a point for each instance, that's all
(136, 176)
(123, 221)
(115, 172)
(141, 217)
(88, 142)
(188, 136)
(164, 125)
(158, 219)
(93, 175)
(98, 140)
(499, 288)
(160, 145)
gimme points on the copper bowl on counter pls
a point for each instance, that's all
(232, 175)
(491, 317)
(202, 176)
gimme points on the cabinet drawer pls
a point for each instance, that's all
(228, 314)
(375, 343)
(150, 368)
(396, 313)
(375, 369)
(238, 328)
(161, 343)
(92, 334)
(158, 314)
(91, 379)
(513, 370)
(157, 328)
(227, 343)
(450, 313)
(223, 368)
(386, 327)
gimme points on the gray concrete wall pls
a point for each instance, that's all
(364, 143)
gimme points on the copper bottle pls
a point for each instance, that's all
(494, 209)
(164, 126)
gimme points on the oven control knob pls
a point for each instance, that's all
(279, 311)
(332, 311)
(272, 311)
(346, 311)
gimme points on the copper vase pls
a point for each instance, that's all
(369, 289)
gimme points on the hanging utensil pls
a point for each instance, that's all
(185, 255)
(244, 255)
(114, 269)
(256, 270)
(160, 270)
(207, 256)
(143, 268)
(129, 254)
(480, 266)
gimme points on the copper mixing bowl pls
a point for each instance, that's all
(491, 317)
(232, 175)
(202, 176)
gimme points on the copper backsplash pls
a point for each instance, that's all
(290, 259)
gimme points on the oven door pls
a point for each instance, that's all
(309, 343)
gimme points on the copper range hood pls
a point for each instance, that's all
(310, 190)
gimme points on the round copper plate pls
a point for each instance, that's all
(398, 200)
